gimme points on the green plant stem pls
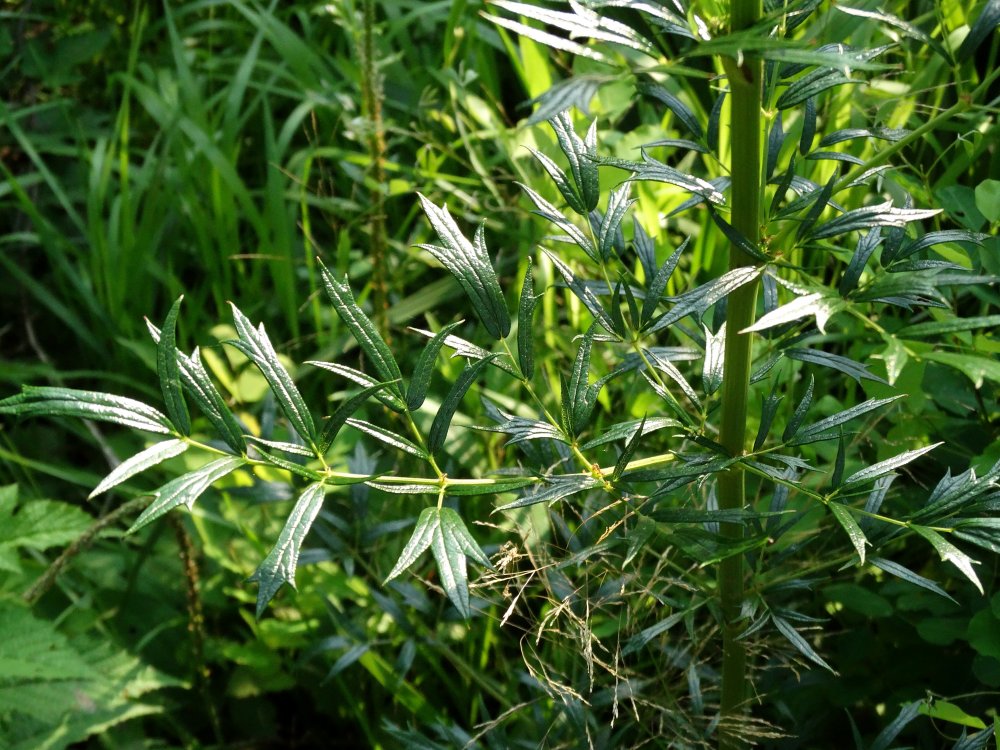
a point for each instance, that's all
(745, 132)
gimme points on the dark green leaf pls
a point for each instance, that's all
(278, 568)
(549, 212)
(739, 240)
(141, 461)
(391, 400)
(812, 84)
(585, 294)
(576, 91)
(881, 215)
(168, 371)
(186, 489)
(908, 713)
(625, 430)
(821, 430)
(867, 245)
(908, 575)
(643, 637)
(774, 141)
(800, 412)
(618, 206)
(822, 199)
(574, 401)
(469, 350)
(388, 437)
(808, 126)
(651, 170)
(889, 465)
(416, 392)
(627, 453)
(469, 263)
(658, 283)
(698, 300)
(442, 420)
(675, 105)
(954, 325)
(935, 238)
(645, 249)
(801, 644)
(556, 489)
(769, 407)
(982, 532)
(847, 366)
(255, 344)
(582, 154)
(345, 410)
(525, 314)
(51, 401)
(986, 24)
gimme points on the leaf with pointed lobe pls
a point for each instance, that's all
(950, 553)
(801, 644)
(391, 400)
(416, 392)
(698, 300)
(618, 205)
(152, 456)
(881, 215)
(54, 401)
(800, 412)
(889, 465)
(680, 110)
(388, 437)
(867, 244)
(278, 568)
(821, 430)
(549, 212)
(905, 574)
(468, 350)
(168, 371)
(442, 420)
(581, 154)
(557, 488)
(812, 84)
(851, 527)
(658, 283)
(186, 489)
(586, 296)
(845, 365)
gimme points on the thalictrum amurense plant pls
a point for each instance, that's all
(702, 478)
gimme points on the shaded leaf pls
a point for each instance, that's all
(391, 400)
(821, 430)
(525, 315)
(801, 644)
(908, 575)
(618, 206)
(881, 215)
(889, 465)
(658, 283)
(585, 294)
(812, 84)
(908, 713)
(854, 532)
(582, 155)
(845, 365)
(681, 111)
(339, 418)
(557, 488)
(800, 412)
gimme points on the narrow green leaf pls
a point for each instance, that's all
(954, 325)
(625, 430)
(451, 544)
(812, 84)
(881, 215)
(386, 397)
(557, 488)
(651, 170)
(618, 205)
(656, 286)
(819, 430)
(839, 462)
(254, 343)
(525, 314)
(715, 359)
(585, 295)
(667, 367)
(186, 489)
(416, 392)
(469, 263)
(984, 25)
(141, 461)
(552, 214)
(889, 465)
(908, 575)
(816, 209)
(419, 542)
(337, 420)
(698, 300)
(977, 369)
(800, 412)
(769, 407)
(951, 713)
(52, 401)
(950, 553)
(278, 568)
(362, 329)
(581, 154)
(490, 486)
(801, 644)
(468, 350)
(808, 126)
(574, 397)
(819, 305)
(854, 532)
(675, 105)
(867, 244)
(628, 452)
(907, 713)
(388, 437)
(845, 365)
(199, 386)
(569, 194)
(168, 371)
(442, 420)
(744, 243)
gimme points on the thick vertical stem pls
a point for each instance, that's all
(745, 135)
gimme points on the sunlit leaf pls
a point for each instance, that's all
(168, 371)
(186, 489)
(950, 553)
(141, 461)
(854, 532)
(889, 465)
(52, 401)
(416, 392)
(446, 411)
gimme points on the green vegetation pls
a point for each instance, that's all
(713, 461)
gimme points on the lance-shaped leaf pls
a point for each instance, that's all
(50, 401)
(715, 356)
(199, 386)
(254, 343)
(416, 392)
(582, 155)
(525, 314)
(736, 237)
(442, 420)
(936, 238)
(168, 371)
(141, 461)
(585, 294)
(909, 576)
(388, 398)
(671, 371)
(522, 429)
(866, 246)
(186, 489)
(278, 568)
(881, 215)
(651, 170)
(576, 91)
(821, 430)
(339, 418)
(557, 488)
(950, 553)
(819, 204)
(800, 412)
(681, 111)
(442, 531)
(769, 407)
(812, 84)
(658, 283)
(854, 532)
(845, 365)
(906, 714)
(819, 305)
(362, 329)
(954, 325)
(628, 452)
(986, 24)
(467, 349)
(775, 139)
(469, 263)
(547, 211)
(889, 465)
(618, 205)
(388, 437)
(808, 126)
(698, 300)
(625, 430)
(801, 644)
(574, 399)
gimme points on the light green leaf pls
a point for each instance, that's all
(442, 420)
(363, 330)
(38, 524)
(854, 532)
(557, 489)
(69, 402)
(168, 370)
(975, 368)
(818, 430)
(581, 154)
(889, 465)
(988, 199)
(254, 343)
(141, 461)
(715, 354)
(469, 263)
(186, 489)
(881, 215)
(954, 325)
(390, 399)
(278, 567)
(950, 553)
(951, 713)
